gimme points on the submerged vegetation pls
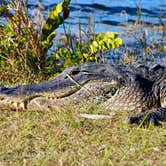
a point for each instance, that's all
(61, 137)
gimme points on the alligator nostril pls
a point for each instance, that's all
(74, 72)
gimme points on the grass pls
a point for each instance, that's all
(63, 138)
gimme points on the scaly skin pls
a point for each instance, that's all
(117, 88)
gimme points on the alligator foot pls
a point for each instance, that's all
(146, 118)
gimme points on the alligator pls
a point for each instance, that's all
(136, 88)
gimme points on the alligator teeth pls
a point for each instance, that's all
(15, 104)
(22, 105)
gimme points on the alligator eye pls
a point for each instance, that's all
(110, 92)
(113, 91)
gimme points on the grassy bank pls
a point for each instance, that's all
(63, 138)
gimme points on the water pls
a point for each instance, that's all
(110, 14)
(116, 16)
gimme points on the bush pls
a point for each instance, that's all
(24, 45)
(23, 48)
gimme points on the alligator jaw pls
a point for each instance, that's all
(89, 93)
(9, 103)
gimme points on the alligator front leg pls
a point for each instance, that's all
(154, 117)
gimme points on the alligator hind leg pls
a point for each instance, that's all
(154, 117)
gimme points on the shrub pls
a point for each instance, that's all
(23, 48)
(24, 45)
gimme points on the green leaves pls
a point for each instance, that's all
(106, 41)
(24, 43)
(87, 52)
(52, 23)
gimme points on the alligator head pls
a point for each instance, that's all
(112, 87)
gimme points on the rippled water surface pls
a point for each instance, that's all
(110, 14)
(116, 16)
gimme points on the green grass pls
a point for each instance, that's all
(63, 138)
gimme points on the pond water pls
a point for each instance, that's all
(110, 14)
(116, 16)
